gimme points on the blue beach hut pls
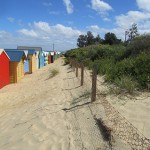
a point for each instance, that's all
(41, 60)
(38, 50)
(45, 58)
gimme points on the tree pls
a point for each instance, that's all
(110, 38)
(85, 40)
(131, 33)
(90, 38)
(82, 41)
(98, 40)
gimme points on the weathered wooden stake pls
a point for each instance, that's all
(76, 70)
(94, 79)
(82, 74)
(74, 65)
(70, 62)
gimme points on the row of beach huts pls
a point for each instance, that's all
(15, 63)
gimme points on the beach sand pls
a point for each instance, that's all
(31, 115)
(43, 113)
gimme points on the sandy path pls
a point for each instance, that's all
(84, 131)
(51, 114)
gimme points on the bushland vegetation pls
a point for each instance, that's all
(125, 65)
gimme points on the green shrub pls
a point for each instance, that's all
(138, 45)
(121, 68)
(103, 65)
(126, 82)
(66, 61)
(120, 65)
(142, 69)
(135, 67)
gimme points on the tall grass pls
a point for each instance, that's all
(127, 83)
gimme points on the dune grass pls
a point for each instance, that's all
(53, 73)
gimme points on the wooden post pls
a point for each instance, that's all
(74, 65)
(82, 74)
(70, 61)
(76, 69)
(94, 79)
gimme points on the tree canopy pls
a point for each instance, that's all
(131, 33)
(82, 41)
(89, 39)
(110, 38)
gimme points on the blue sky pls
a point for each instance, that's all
(44, 22)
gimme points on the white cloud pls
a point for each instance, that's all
(66, 31)
(93, 28)
(100, 6)
(42, 34)
(11, 19)
(106, 19)
(125, 21)
(90, 16)
(141, 18)
(145, 25)
(54, 13)
(7, 40)
(47, 4)
(144, 4)
(43, 28)
(4, 34)
(70, 22)
(29, 33)
(69, 6)
(40, 26)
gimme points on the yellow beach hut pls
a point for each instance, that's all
(16, 65)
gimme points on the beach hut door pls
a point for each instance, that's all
(26, 66)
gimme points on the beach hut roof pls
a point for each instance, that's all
(30, 48)
(2, 50)
(31, 52)
(15, 55)
(25, 51)
(52, 53)
(45, 53)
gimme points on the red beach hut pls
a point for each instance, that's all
(4, 69)
(49, 58)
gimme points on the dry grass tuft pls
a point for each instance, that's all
(53, 73)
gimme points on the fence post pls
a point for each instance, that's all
(76, 69)
(73, 65)
(82, 74)
(70, 62)
(94, 80)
